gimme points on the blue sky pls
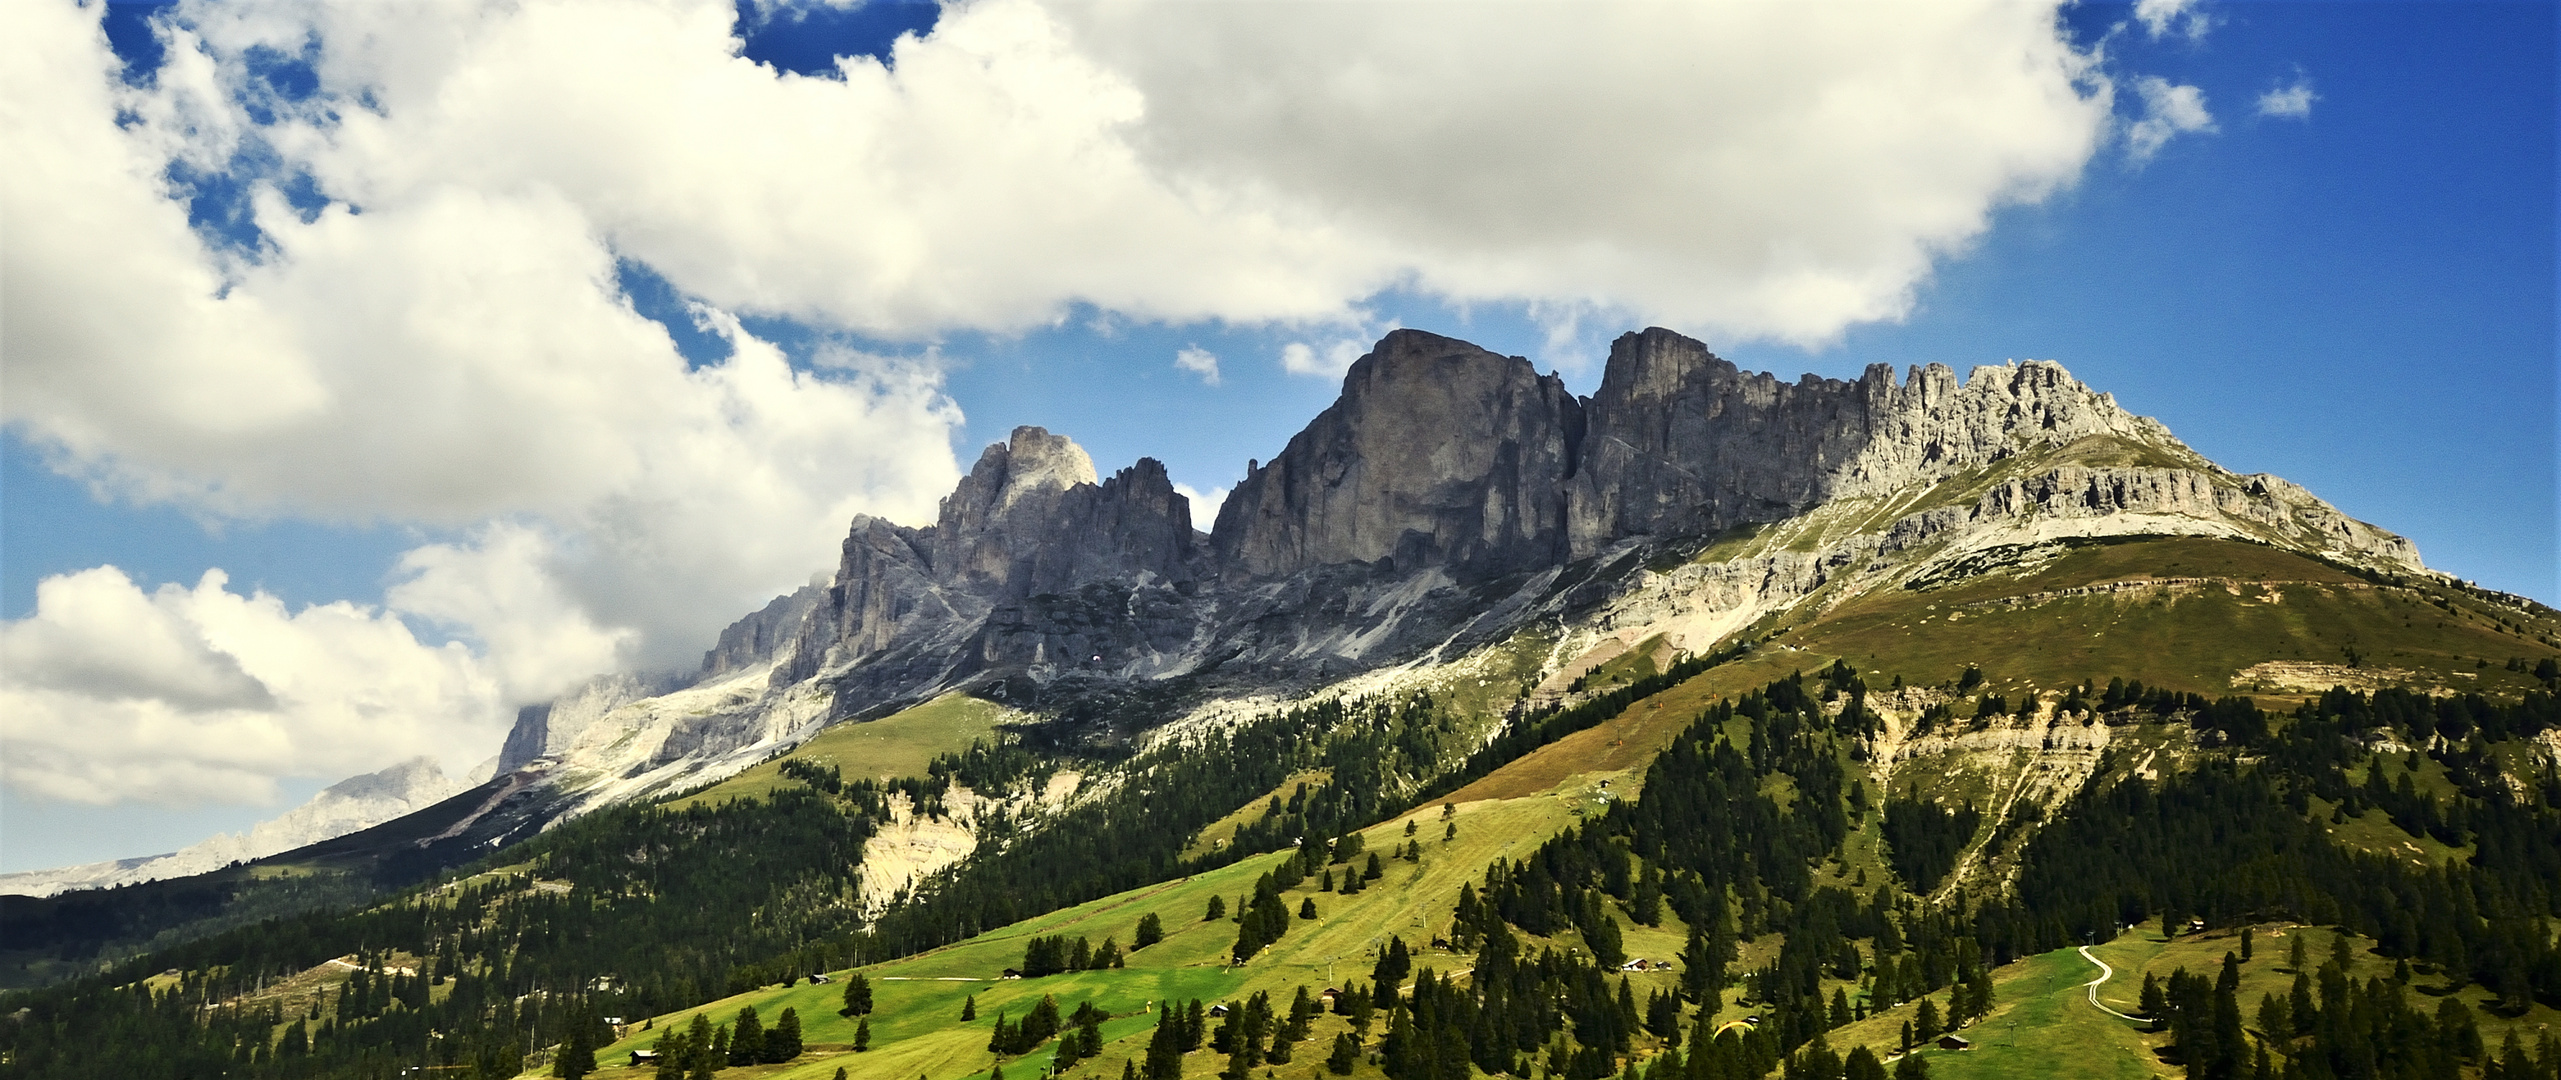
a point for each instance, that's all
(2352, 287)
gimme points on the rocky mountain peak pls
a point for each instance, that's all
(1437, 452)
(1449, 496)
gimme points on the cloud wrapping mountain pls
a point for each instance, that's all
(365, 262)
(185, 696)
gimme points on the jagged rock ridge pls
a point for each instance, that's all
(1448, 497)
(350, 805)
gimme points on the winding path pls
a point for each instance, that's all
(2105, 973)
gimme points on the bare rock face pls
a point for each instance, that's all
(1682, 442)
(760, 637)
(1437, 453)
(1448, 497)
(550, 729)
(1005, 575)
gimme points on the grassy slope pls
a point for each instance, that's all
(900, 744)
(1216, 834)
(2189, 636)
(2042, 1023)
(2261, 604)
(916, 1028)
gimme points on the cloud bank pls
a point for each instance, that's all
(189, 695)
(415, 313)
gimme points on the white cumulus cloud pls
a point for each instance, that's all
(190, 695)
(445, 344)
(456, 356)
(1772, 170)
(1198, 361)
(1328, 360)
(2292, 101)
(2169, 110)
(1205, 504)
(2172, 18)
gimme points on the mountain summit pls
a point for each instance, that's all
(1447, 499)
(1786, 706)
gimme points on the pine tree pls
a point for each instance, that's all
(1663, 1015)
(704, 1051)
(1165, 1047)
(783, 1042)
(1346, 1054)
(1150, 931)
(857, 994)
(1307, 908)
(1195, 1025)
(862, 1035)
(747, 1038)
(577, 1055)
(1217, 909)
(674, 1056)
(1039, 1024)
(969, 1008)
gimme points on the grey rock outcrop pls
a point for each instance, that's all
(549, 729)
(1437, 453)
(1682, 442)
(762, 636)
(1005, 576)
(1448, 497)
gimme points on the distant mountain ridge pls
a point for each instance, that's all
(1449, 497)
(350, 805)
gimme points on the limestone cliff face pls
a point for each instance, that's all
(1449, 497)
(761, 636)
(1682, 442)
(1444, 471)
(1437, 453)
(549, 730)
(1028, 530)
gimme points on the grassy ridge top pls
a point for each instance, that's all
(2195, 614)
(901, 744)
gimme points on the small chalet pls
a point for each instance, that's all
(1638, 964)
(643, 1057)
(815, 978)
(1218, 1010)
(1013, 973)
(1955, 1042)
(1326, 999)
